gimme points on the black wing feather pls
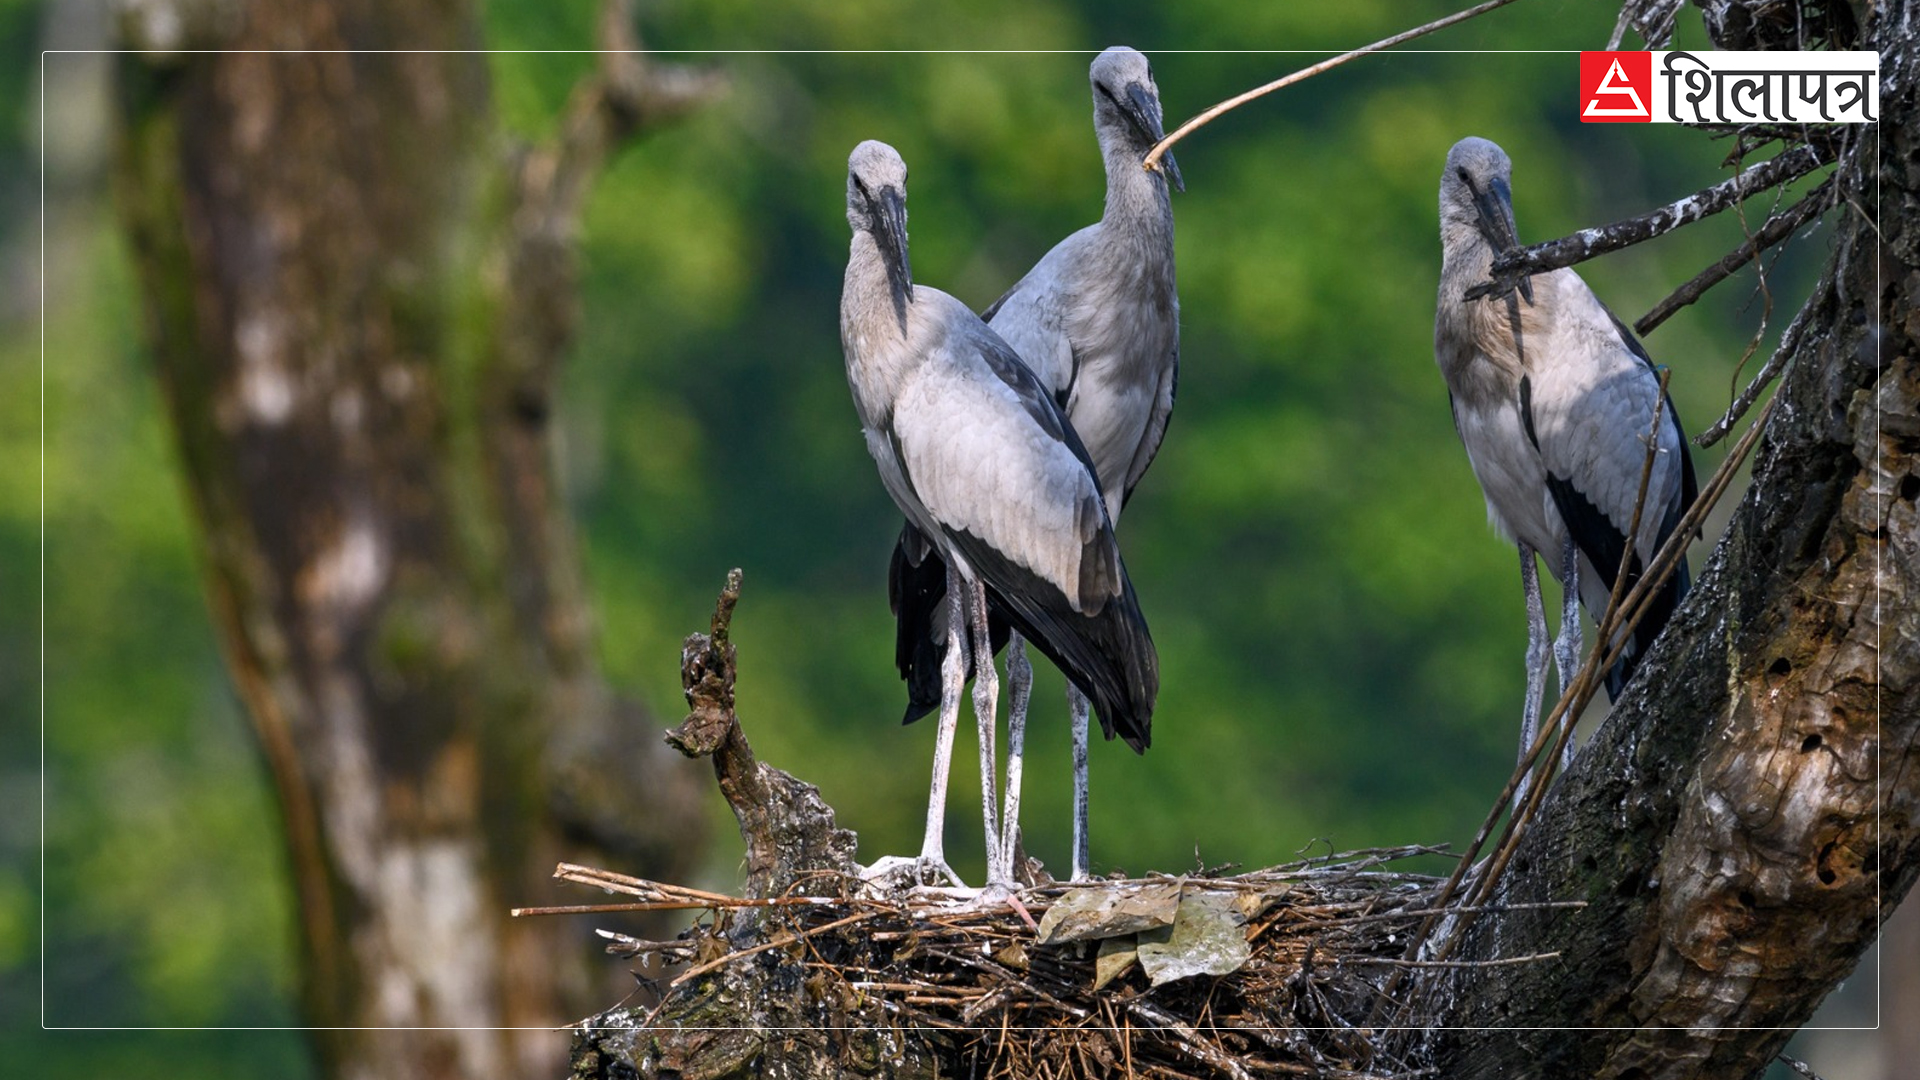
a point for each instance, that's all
(915, 590)
(1605, 546)
(1109, 655)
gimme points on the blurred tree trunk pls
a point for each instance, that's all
(357, 304)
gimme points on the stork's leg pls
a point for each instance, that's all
(1536, 663)
(1566, 648)
(953, 675)
(1019, 692)
(1079, 708)
(986, 701)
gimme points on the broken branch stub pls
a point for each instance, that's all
(793, 844)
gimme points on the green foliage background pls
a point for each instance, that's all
(1340, 633)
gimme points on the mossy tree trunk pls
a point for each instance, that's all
(357, 301)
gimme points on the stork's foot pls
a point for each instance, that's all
(902, 873)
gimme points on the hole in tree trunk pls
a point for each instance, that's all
(1824, 872)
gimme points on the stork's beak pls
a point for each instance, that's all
(890, 230)
(1495, 206)
(1140, 112)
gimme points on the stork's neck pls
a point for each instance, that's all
(870, 331)
(866, 294)
(1466, 258)
(1489, 341)
(1136, 199)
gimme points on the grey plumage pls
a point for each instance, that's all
(1098, 317)
(1553, 398)
(1097, 321)
(978, 457)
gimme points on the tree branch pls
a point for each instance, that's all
(1777, 228)
(793, 843)
(1510, 267)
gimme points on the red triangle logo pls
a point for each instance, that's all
(1616, 87)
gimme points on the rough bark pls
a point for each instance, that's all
(1746, 818)
(362, 416)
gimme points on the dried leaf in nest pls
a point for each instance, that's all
(1116, 955)
(1104, 911)
(1208, 937)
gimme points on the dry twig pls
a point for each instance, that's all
(1152, 160)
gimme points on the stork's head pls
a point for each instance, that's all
(1476, 192)
(877, 205)
(1126, 107)
(1476, 198)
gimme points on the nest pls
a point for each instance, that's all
(1112, 977)
(1333, 967)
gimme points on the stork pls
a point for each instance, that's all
(1097, 321)
(980, 460)
(1554, 399)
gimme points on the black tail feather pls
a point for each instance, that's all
(1109, 656)
(916, 591)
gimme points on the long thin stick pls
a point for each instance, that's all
(1789, 344)
(1152, 160)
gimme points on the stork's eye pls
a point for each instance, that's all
(1464, 178)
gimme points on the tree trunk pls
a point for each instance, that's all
(356, 310)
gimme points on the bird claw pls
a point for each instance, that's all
(901, 873)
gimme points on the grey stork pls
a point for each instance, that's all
(1097, 320)
(977, 455)
(1554, 398)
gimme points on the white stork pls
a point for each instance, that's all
(978, 457)
(1554, 399)
(1097, 320)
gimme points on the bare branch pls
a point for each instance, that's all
(1510, 267)
(1152, 161)
(629, 95)
(1653, 19)
(1777, 228)
(1789, 342)
(1799, 1066)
